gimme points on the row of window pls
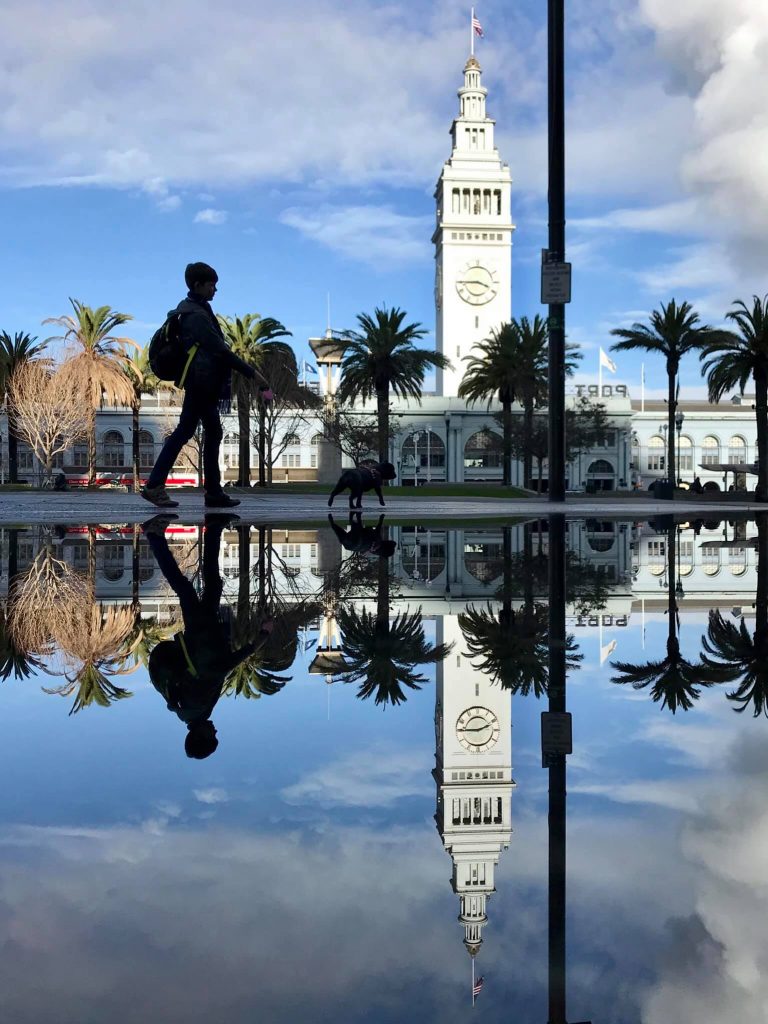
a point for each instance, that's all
(684, 452)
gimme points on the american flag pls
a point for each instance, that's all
(478, 30)
(478, 987)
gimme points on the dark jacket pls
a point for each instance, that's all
(214, 360)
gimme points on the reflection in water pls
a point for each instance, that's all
(736, 654)
(675, 680)
(234, 610)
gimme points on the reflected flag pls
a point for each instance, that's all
(607, 650)
(478, 987)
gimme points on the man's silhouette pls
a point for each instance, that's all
(190, 670)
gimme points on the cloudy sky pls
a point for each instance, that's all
(295, 146)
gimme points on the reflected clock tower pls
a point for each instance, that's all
(473, 773)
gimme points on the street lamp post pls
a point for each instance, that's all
(416, 439)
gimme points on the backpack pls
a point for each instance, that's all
(168, 359)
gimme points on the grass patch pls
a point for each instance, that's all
(428, 491)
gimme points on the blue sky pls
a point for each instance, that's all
(296, 147)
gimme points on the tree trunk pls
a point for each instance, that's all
(135, 571)
(382, 592)
(262, 444)
(761, 590)
(199, 447)
(13, 448)
(540, 464)
(507, 432)
(244, 574)
(673, 646)
(243, 399)
(91, 443)
(382, 413)
(761, 419)
(527, 436)
(135, 455)
(671, 404)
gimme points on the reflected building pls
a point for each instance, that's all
(473, 775)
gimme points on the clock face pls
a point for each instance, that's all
(477, 284)
(477, 729)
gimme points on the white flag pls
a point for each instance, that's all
(607, 651)
(607, 362)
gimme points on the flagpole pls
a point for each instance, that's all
(642, 605)
(642, 387)
(600, 639)
(600, 375)
(472, 49)
(473, 980)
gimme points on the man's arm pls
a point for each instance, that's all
(198, 329)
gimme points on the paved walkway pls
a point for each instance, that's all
(117, 507)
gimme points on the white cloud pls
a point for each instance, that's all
(210, 216)
(378, 777)
(368, 234)
(211, 795)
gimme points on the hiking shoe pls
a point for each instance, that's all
(158, 496)
(220, 501)
(157, 525)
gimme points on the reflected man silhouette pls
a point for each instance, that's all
(189, 670)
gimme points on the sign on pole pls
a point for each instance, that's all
(555, 282)
(556, 735)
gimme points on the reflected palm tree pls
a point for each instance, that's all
(674, 680)
(94, 650)
(738, 655)
(383, 654)
(15, 661)
(513, 647)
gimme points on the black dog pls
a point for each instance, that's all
(364, 478)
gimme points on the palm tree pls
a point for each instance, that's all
(672, 331)
(512, 364)
(14, 352)
(380, 357)
(383, 655)
(96, 362)
(674, 680)
(143, 382)
(732, 358)
(248, 337)
(730, 649)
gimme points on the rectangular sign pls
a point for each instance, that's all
(556, 734)
(555, 283)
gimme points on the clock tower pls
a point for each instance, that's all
(473, 773)
(473, 235)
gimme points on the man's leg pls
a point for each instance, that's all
(181, 586)
(188, 419)
(212, 436)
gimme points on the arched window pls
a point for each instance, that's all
(657, 454)
(146, 449)
(314, 443)
(710, 451)
(484, 560)
(483, 450)
(685, 454)
(291, 459)
(601, 476)
(737, 449)
(113, 449)
(422, 450)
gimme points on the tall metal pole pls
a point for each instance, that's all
(556, 60)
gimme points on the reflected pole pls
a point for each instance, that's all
(556, 745)
(556, 252)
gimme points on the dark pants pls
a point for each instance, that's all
(195, 610)
(198, 407)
